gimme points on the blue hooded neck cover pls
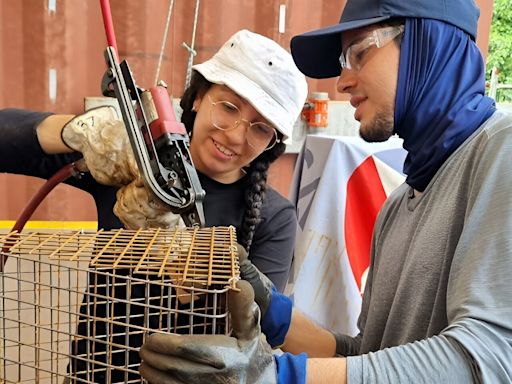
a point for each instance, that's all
(440, 98)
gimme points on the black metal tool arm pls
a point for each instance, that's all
(160, 143)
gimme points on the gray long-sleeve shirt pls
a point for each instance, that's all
(437, 306)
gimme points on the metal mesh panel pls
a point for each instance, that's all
(77, 306)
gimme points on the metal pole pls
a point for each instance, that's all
(164, 40)
(190, 49)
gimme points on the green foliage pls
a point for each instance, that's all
(500, 46)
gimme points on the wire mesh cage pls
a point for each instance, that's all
(75, 307)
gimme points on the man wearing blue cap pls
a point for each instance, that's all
(436, 306)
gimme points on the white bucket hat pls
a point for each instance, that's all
(263, 73)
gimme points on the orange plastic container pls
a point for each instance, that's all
(316, 110)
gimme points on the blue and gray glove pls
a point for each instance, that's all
(276, 308)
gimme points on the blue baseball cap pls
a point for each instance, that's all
(316, 52)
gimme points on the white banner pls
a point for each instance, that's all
(339, 185)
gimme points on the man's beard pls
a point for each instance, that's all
(380, 129)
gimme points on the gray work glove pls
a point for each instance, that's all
(260, 283)
(102, 139)
(216, 359)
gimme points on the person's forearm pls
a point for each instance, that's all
(49, 134)
(305, 336)
(437, 359)
(326, 371)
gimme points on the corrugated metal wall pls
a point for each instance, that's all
(68, 38)
(51, 58)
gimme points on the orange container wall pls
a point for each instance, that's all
(69, 41)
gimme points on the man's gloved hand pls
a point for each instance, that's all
(275, 307)
(137, 207)
(194, 359)
(102, 139)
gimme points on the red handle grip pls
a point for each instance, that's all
(166, 122)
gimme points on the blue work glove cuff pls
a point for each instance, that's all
(291, 369)
(277, 319)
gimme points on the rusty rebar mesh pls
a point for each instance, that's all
(193, 255)
(79, 305)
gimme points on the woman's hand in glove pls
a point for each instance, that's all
(260, 283)
(137, 207)
(276, 308)
(102, 139)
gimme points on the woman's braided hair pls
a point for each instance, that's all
(257, 172)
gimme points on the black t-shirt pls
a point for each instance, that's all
(274, 238)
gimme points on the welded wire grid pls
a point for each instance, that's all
(76, 306)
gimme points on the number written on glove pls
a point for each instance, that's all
(102, 139)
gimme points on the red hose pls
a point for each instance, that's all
(63, 174)
(109, 25)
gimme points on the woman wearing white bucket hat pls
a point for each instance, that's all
(239, 107)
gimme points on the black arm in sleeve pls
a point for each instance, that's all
(20, 151)
(21, 154)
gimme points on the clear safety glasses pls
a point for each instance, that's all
(354, 55)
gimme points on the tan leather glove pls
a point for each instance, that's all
(194, 359)
(137, 207)
(102, 139)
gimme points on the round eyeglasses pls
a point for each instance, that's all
(226, 116)
(356, 52)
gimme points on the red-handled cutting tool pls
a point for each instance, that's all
(159, 142)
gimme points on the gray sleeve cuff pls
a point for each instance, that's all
(355, 369)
